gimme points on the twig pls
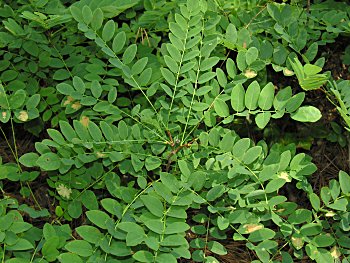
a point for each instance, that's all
(146, 36)
(175, 151)
(228, 54)
(254, 17)
(332, 162)
(172, 144)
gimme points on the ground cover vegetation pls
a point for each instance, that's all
(174, 131)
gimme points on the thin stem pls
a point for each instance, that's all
(15, 143)
(202, 118)
(195, 84)
(177, 77)
(15, 150)
(3, 254)
(207, 236)
(254, 17)
(61, 58)
(125, 210)
(89, 186)
(164, 220)
(114, 56)
(141, 123)
(7, 141)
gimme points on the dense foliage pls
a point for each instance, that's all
(137, 107)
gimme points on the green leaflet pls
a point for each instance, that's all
(307, 114)
(129, 54)
(80, 247)
(153, 204)
(221, 108)
(252, 96)
(143, 256)
(99, 218)
(262, 119)
(89, 233)
(237, 98)
(266, 97)
(49, 162)
(108, 30)
(308, 76)
(69, 257)
(119, 42)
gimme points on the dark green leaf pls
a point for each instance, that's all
(79, 247)
(315, 201)
(75, 209)
(143, 256)
(215, 192)
(89, 233)
(153, 204)
(252, 154)
(139, 66)
(217, 248)
(97, 19)
(168, 76)
(49, 162)
(344, 180)
(252, 96)
(261, 234)
(266, 97)
(61, 74)
(86, 14)
(252, 55)
(29, 159)
(79, 85)
(237, 98)
(108, 30)
(171, 64)
(65, 88)
(209, 63)
(221, 107)
(99, 218)
(311, 229)
(112, 95)
(274, 185)
(129, 54)
(119, 42)
(323, 240)
(152, 163)
(69, 258)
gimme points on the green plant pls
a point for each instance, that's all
(308, 76)
(141, 117)
(339, 89)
